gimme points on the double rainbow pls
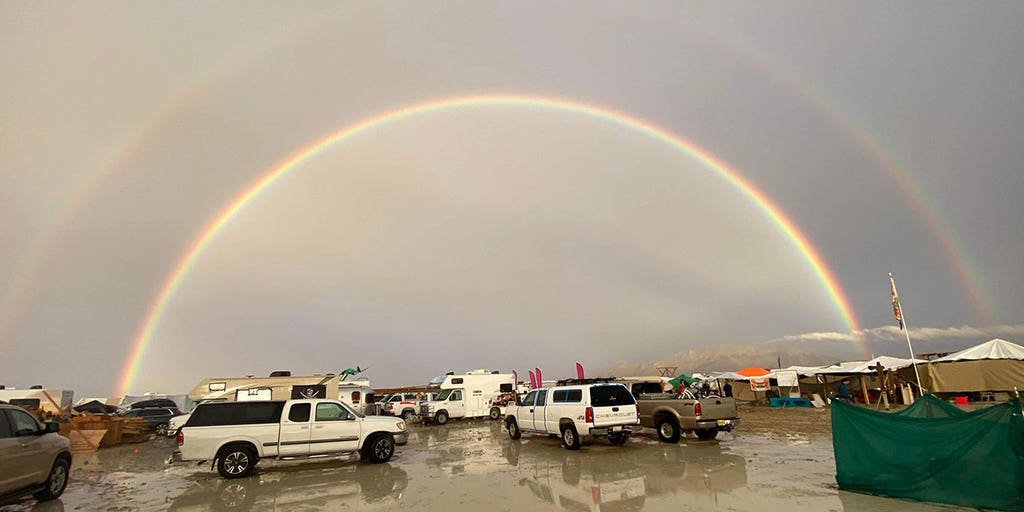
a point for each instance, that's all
(731, 176)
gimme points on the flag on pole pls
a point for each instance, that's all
(896, 302)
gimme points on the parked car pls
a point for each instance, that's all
(236, 435)
(575, 411)
(156, 417)
(401, 404)
(175, 424)
(35, 459)
(672, 414)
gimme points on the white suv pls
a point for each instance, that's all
(575, 411)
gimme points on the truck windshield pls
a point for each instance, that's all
(605, 396)
(443, 395)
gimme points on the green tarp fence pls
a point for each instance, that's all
(932, 451)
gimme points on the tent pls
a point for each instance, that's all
(996, 365)
(96, 407)
(932, 452)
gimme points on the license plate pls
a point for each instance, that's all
(722, 423)
(616, 429)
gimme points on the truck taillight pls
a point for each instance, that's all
(181, 437)
(589, 417)
(696, 409)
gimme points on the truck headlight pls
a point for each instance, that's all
(400, 425)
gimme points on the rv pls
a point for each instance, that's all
(39, 401)
(284, 386)
(475, 394)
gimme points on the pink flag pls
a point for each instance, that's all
(515, 379)
(540, 381)
(579, 371)
(533, 380)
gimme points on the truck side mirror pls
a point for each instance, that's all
(51, 427)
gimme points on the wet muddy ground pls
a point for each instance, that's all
(778, 460)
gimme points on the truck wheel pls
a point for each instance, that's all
(236, 461)
(570, 438)
(668, 431)
(513, 430)
(380, 448)
(161, 429)
(495, 413)
(56, 482)
(441, 418)
(705, 435)
(408, 415)
(618, 439)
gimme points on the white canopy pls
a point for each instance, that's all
(991, 349)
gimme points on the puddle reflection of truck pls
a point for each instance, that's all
(575, 481)
(476, 394)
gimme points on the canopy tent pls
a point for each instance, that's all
(870, 367)
(754, 371)
(96, 407)
(925, 453)
(991, 349)
(996, 365)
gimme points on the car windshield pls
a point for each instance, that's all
(443, 395)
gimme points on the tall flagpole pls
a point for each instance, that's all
(897, 309)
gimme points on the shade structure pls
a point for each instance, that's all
(753, 371)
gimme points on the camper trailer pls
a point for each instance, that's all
(358, 394)
(470, 395)
(284, 386)
(38, 400)
(278, 386)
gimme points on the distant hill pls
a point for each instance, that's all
(726, 357)
(732, 357)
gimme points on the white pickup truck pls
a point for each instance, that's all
(575, 411)
(236, 435)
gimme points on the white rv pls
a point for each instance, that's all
(475, 394)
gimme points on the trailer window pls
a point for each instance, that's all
(355, 397)
(604, 396)
(457, 380)
(505, 388)
(299, 413)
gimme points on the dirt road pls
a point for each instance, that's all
(779, 460)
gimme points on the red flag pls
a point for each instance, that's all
(896, 302)
(579, 371)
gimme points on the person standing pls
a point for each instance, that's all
(727, 389)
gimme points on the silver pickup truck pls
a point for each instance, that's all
(672, 414)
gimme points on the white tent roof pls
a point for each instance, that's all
(991, 349)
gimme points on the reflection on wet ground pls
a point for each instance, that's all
(471, 465)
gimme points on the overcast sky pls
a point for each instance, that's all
(498, 237)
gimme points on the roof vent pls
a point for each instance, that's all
(37, 386)
(281, 373)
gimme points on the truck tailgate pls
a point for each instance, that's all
(718, 408)
(613, 405)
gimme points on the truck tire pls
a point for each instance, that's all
(236, 461)
(408, 415)
(57, 481)
(668, 431)
(495, 413)
(379, 448)
(513, 430)
(706, 434)
(441, 418)
(570, 438)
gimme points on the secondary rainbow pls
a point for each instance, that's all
(266, 180)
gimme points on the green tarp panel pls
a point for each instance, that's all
(930, 406)
(680, 378)
(973, 459)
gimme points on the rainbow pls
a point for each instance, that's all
(269, 178)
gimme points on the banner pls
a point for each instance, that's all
(760, 383)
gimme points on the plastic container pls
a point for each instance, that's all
(960, 400)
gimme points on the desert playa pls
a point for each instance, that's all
(778, 460)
